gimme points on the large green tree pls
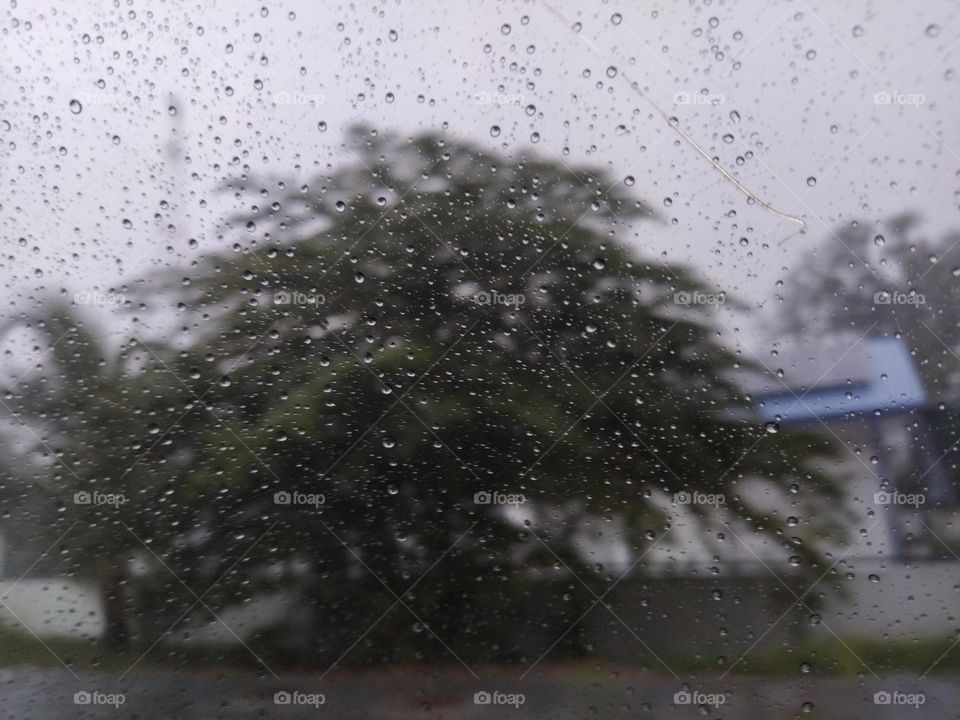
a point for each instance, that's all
(425, 323)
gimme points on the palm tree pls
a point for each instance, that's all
(94, 414)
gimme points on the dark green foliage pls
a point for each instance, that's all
(398, 397)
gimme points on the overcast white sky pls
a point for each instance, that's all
(801, 77)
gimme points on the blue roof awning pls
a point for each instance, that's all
(889, 383)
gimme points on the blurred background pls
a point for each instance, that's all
(436, 360)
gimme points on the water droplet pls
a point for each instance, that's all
(616, 18)
(359, 276)
(322, 126)
(629, 180)
(932, 30)
(599, 263)
(811, 181)
(505, 28)
(728, 138)
(495, 131)
(772, 427)
(75, 107)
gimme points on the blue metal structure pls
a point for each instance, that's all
(889, 384)
(881, 382)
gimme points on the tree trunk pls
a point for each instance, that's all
(116, 633)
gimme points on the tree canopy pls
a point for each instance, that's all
(428, 327)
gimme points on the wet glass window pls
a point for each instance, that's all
(539, 359)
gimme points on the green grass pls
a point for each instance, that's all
(833, 659)
(849, 658)
(21, 648)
